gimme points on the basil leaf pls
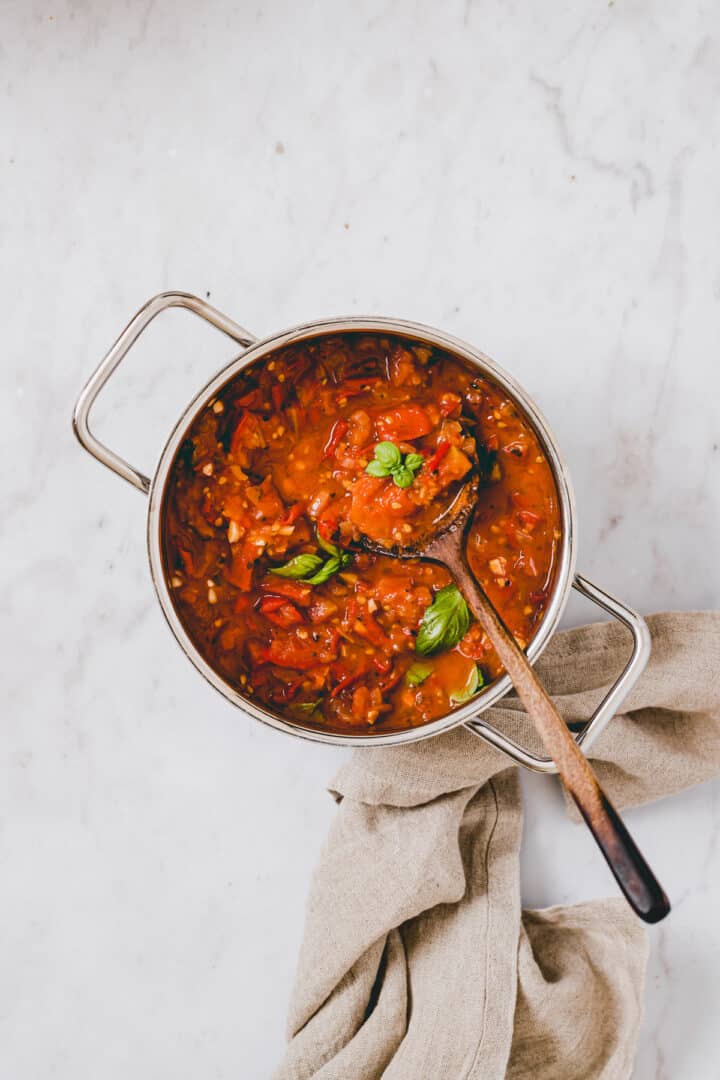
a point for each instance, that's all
(308, 706)
(474, 683)
(414, 461)
(326, 571)
(376, 468)
(299, 567)
(444, 623)
(331, 549)
(417, 673)
(388, 455)
(403, 477)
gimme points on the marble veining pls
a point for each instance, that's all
(539, 179)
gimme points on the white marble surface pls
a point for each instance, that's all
(540, 179)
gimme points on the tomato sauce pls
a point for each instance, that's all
(281, 476)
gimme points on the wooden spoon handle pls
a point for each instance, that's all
(633, 875)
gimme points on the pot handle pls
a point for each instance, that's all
(609, 704)
(117, 352)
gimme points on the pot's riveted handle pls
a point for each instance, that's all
(609, 705)
(126, 340)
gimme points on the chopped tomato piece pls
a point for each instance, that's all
(247, 434)
(251, 400)
(403, 424)
(241, 569)
(529, 519)
(280, 611)
(296, 591)
(295, 511)
(454, 465)
(271, 603)
(378, 506)
(322, 609)
(302, 654)
(337, 431)
(402, 366)
(450, 405)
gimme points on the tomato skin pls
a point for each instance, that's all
(280, 611)
(247, 434)
(339, 429)
(296, 591)
(403, 424)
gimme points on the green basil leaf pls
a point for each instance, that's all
(445, 622)
(417, 673)
(414, 461)
(376, 468)
(388, 455)
(474, 683)
(403, 477)
(326, 571)
(326, 545)
(308, 706)
(299, 567)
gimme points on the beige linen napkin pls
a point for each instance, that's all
(418, 962)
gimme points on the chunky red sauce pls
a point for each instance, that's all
(281, 475)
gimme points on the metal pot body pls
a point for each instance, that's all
(253, 351)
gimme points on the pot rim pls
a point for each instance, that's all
(425, 334)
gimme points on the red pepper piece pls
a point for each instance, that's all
(391, 682)
(294, 512)
(345, 681)
(277, 392)
(443, 449)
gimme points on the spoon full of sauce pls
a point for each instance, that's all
(445, 544)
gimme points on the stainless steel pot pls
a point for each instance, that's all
(253, 350)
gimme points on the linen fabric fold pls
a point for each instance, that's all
(417, 961)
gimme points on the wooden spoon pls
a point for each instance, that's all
(445, 545)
